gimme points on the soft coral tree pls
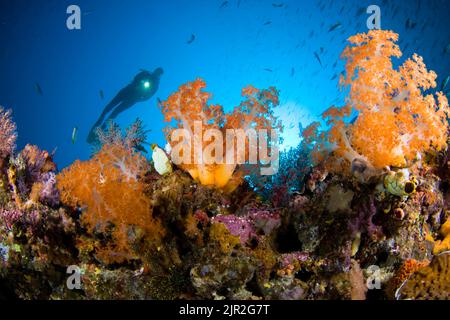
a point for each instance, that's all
(188, 108)
(109, 191)
(396, 121)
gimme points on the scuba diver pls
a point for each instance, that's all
(143, 87)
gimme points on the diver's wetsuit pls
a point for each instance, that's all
(143, 87)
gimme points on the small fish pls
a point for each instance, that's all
(140, 148)
(268, 70)
(292, 72)
(444, 83)
(267, 23)
(334, 27)
(334, 77)
(447, 49)
(102, 95)
(191, 39)
(74, 134)
(224, 4)
(277, 5)
(318, 58)
(160, 103)
(38, 89)
(410, 24)
(88, 12)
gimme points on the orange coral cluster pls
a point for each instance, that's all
(429, 282)
(395, 120)
(444, 244)
(404, 272)
(188, 109)
(108, 191)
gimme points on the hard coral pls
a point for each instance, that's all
(395, 120)
(205, 161)
(108, 188)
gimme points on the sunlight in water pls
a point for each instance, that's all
(291, 115)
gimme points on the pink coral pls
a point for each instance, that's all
(8, 134)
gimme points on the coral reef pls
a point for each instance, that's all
(429, 282)
(357, 211)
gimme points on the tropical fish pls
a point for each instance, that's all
(38, 89)
(277, 5)
(335, 26)
(88, 12)
(318, 58)
(160, 160)
(160, 103)
(102, 95)
(267, 23)
(410, 24)
(191, 39)
(268, 70)
(74, 134)
(444, 83)
(224, 4)
(140, 148)
(447, 49)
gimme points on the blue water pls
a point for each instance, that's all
(234, 44)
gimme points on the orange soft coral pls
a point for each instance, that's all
(403, 273)
(188, 109)
(108, 189)
(395, 120)
(444, 244)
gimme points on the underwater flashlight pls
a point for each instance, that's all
(147, 84)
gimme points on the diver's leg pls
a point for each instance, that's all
(121, 96)
(114, 102)
(119, 109)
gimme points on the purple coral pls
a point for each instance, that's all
(8, 134)
(363, 221)
(246, 227)
(238, 226)
(134, 136)
(36, 166)
(49, 193)
(9, 217)
(265, 220)
(292, 257)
